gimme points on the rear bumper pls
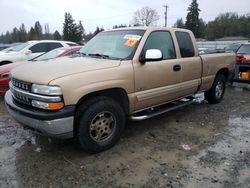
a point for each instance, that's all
(54, 124)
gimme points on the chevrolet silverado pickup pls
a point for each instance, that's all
(134, 73)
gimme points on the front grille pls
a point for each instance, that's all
(18, 96)
(21, 85)
(21, 98)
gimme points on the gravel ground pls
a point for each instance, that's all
(200, 145)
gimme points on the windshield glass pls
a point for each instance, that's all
(244, 49)
(18, 47)
(232, 48)
(6, 49)
(113, 44)
(50, 55)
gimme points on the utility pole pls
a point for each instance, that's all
(166, 14)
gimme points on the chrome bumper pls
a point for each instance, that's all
(59, 128)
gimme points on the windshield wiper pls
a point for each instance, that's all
(99, 55)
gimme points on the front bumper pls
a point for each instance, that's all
(57, 124)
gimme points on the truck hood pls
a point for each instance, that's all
(44, 72)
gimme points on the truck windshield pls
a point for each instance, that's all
(120, 44)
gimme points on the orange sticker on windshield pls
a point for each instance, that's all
(130, 42)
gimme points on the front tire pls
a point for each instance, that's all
(100, 125)
(217, 91)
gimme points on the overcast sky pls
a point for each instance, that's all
(104, 13)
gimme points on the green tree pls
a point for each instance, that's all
(88, 36)
(81, 29)
(47, 34)
(228, 25)
(2, 38)
(15, 35)
(192, 20)
(23, 36)
(8, 38)
(179, 23)
(32, 34)
(202, 28)
(98, 30)
(38, 30)
(119, 26)
(57, 36)
(71, 30)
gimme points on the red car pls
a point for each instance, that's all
(59, 52)
(243, 53)
(242, 69)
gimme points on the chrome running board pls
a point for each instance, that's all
(152, 112)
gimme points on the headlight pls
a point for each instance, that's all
(46, 90)
(5, 75)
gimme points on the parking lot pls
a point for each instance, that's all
(200, 145)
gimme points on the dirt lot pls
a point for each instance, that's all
(197, 146)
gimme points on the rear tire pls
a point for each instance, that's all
(217, 91)
(101, 121)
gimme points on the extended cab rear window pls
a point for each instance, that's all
(185, 44)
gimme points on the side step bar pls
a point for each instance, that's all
(146, 114)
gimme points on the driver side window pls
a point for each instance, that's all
(162, 41)
(39, 48)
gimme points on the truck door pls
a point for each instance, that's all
(190, 64)
(157, 82)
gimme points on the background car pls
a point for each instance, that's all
(242, 69)
(30, 50)
(233, 47)
(243, 53)
(59, 52)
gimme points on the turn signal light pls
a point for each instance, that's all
(55, 106)
(47, 106)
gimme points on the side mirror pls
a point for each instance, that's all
(27, 52)
(151, 55)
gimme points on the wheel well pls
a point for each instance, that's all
(5, 62)
(224, 72)
(118, 94)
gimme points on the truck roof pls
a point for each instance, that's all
(146, 28)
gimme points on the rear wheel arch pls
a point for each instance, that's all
(216, 92)
(224, 72)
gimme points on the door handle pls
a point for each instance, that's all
(177, 68)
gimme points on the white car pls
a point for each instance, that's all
(30, 50)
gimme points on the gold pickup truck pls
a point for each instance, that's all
(134, 73)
